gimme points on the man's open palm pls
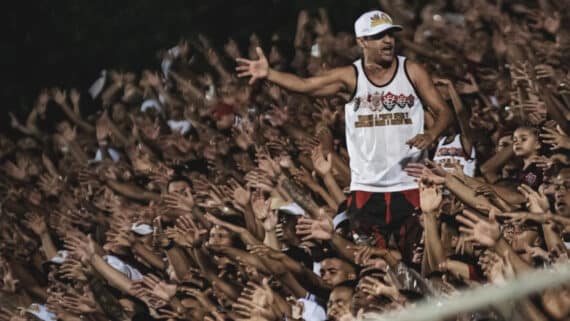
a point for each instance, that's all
(256, 69)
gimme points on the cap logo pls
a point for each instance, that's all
(379, 19)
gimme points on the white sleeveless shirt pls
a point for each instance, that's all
(379, 121)
(447, 155)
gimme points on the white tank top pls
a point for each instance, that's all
(379, 121)
(446, 155)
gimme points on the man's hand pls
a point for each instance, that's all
(537, 202)
(367, 256)
(183, 200)
(80, 245)
(425, 174)
(374, 287)
(8, 315)
(158, 287)
(256, 69)
(255, 300)
(59, 96)
(36, 223)
(555, 137)
(484, 232)
(8, 281)
(310, 229)
(263, 212)
(79, 303)
(430, 198)
(240, 195)
(422, 141)
(73, 269)
(321, 162)
(186, 232)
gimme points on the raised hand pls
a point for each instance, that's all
(278, 116)
(213, 198)
(156, 286)
(74, 97)
(322, 163)
(303, 177)
(262, 210)
(79, 303)
(416, 169)
(255, 301)
(59, 96)
(479, 230)
(310, 229)
(14, 171)
(183, 201)
(243, 136)
(256, 69)
(200, 296)
(258, 179)
(423, 173)
(536, 118)
(266, 251)
(118, 239)
(7, 315)
(266, 163)
(555, 137)
(430, 198)
(145, 294)
(103, 129)
(369, 256)
(36, 223)
(80, 245)
(307, 145)
(374, 287)
(422, 141)
(9, 282)
(50, 184)
(186, 233)
(537, 202)
(73, 269)
(241, 196)
(231, 49)
(468, 88)
(325, 113)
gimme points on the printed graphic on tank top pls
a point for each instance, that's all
(379, 121)
(449, 155)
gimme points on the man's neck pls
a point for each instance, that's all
(380, 67)
(379, 72)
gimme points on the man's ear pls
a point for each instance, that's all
(361, 43)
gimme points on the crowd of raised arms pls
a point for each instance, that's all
(190, 194)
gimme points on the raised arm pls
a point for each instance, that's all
(328, 83)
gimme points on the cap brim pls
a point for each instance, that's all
(376, 31)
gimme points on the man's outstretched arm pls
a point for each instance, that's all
(328, 83)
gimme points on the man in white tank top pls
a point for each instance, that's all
(384, 125)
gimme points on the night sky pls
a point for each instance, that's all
(68, 42)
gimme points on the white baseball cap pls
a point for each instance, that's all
(373, 22)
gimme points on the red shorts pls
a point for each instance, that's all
(375, 217)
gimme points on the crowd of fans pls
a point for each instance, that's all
(190, 194)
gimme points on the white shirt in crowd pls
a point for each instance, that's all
(379, 121)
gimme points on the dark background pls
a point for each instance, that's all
(68, 42)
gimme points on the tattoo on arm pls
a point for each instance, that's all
(303, 199)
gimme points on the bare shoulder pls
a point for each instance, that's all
(416, 71)
(414, 68)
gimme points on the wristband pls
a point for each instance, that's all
(170, 245)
